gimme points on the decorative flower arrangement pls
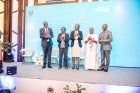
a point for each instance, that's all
(90, 41)
(68, 90)
(91, 44)
(50, 90)
(6, 46)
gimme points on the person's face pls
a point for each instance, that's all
(76, 26)
(45, 24)
(104, 27)
(63, 30)
(91, 30)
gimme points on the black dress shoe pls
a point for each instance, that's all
(66, 67)
(73, 67)
(43, 67)
(106, 69)
(59, 67)
(100, 69)
(77, 68)
(49, 67)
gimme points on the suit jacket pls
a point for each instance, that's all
(43, 36)
(79, 38)
(107, 37)
(66, 40)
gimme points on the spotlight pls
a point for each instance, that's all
(7, 83)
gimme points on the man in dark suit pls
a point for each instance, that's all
(76, 36)
(46, 35)
(63, 44)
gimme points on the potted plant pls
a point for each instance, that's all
(68, 90)
(7, 51)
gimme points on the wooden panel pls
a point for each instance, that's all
(20, 23)
(25, 3)
(35, 2)
(1, 17)
(7, 20)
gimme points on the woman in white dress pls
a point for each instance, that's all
(91, 48)
(76, 37)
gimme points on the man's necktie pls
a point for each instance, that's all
(47, 32)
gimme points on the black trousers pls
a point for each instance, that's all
(63, 51)
(47, 50)
(105, 58)
(1, 64)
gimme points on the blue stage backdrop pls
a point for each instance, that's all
(122, 17)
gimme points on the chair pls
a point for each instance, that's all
(27, 54)
(82, 56)
(55, 55)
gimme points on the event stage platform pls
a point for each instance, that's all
(115, 76)
(31, 78)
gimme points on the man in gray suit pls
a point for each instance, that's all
(46, 35)
(105, 39)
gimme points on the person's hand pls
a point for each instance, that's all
(90, 38)
(101, 40)
(78, 35)
(62, 37)
(86, 41)
(48, 36)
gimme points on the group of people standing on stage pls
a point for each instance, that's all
(91, 47)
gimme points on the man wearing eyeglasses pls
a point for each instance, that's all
(63, 44)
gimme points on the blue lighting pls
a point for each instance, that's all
(7, 82)
(122, 17)
(122, 89)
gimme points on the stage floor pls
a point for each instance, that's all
(116, 75)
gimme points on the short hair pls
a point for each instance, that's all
(63, 28)
(78, 25)
(105, 25)
(45, 22)
(91, 28)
